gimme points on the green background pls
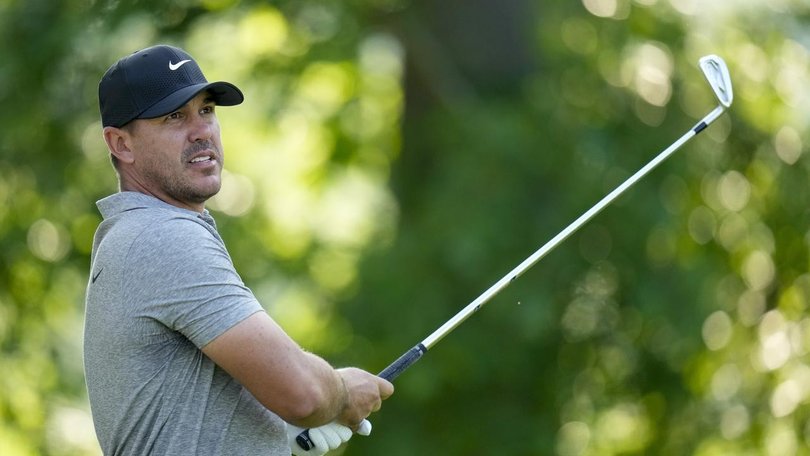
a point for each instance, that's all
(395, 158)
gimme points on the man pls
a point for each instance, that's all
(180, 358)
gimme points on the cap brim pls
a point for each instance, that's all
(223, 93)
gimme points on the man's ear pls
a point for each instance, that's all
(119, 143)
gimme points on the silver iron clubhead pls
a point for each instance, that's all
(716, 72)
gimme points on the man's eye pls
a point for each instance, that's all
(208, 109)
(174, 115)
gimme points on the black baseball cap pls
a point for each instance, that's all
(153, 82)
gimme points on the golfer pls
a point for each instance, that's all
(180, 358)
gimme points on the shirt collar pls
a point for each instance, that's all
(127, 201)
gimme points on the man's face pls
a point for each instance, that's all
(179, 157)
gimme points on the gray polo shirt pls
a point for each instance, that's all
(162, 285)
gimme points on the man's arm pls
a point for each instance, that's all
(300, 387)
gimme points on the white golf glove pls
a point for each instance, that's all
(324, 438)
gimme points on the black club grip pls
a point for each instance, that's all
(304, 441)
(403, 362)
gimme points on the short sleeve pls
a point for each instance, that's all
(179, 273)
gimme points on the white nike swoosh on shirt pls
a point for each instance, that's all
(174, 66)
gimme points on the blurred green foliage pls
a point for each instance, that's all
(393, 159)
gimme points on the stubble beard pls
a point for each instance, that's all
(178, 186)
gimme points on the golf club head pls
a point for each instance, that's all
(716, 72)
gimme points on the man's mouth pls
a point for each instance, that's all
(201, 154)
(202, 158)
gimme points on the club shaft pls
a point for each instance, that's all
(415, 353)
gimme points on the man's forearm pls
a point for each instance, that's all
(300, 387)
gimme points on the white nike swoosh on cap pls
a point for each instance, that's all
(174, 66)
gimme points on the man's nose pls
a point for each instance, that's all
(202, 129)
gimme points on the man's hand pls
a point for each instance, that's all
(324, 438)
(365, 393)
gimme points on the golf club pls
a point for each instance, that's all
(716, 73)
